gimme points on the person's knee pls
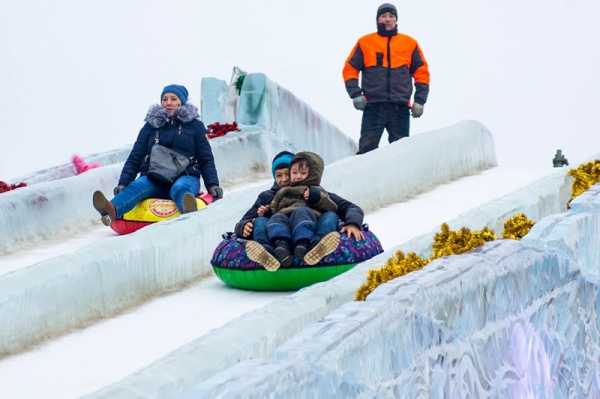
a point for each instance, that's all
(260, 222)
(277, 219)
(330, 218)
(181, 187)
(329, 215)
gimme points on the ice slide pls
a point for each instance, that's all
(102, 343)
(513, 319)
(267, 328)
(163, 324)
(100, 280)
(103, 340)
(271, 118)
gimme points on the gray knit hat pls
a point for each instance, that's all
(387, 7)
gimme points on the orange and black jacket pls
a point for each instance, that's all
(388, 65)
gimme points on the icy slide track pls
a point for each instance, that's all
(510, 320)
(272, 119)
(173, 375)
(102, 279)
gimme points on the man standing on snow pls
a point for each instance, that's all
(389, 61)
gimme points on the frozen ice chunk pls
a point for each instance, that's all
(251, 98)
(213, 110)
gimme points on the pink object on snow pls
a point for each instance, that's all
(81, 166)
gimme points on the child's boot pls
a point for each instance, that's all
(326, 246)
(282, 253)
(301, 248)
(259, 254)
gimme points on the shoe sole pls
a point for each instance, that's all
(257, 253)
(326, 246)
(101, 204)
(189, 204)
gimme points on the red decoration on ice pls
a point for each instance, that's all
(81, 166)
(4, 186)
(221, 129)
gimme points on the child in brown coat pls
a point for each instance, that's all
(297, 207)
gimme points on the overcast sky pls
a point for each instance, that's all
(80, 75)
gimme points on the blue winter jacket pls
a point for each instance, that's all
(182, 132)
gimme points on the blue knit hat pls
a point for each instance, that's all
(281, 160)
(179, 90)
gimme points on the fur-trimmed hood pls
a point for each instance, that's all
(315, 166)
(157, 116)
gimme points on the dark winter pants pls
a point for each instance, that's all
(379, 116)
(301, 224)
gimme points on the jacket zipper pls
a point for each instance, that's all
(389, 70)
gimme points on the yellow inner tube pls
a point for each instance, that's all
(156, 210)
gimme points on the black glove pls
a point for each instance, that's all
(216, 192)
(118, 189)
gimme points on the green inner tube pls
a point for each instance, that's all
(282, 280)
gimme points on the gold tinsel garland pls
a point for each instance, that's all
(517, 227)
(586, 175)
(446, 242)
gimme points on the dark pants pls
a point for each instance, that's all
(301, 224)
(378, 116)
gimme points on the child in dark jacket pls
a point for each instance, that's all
(325, 237)
(297, 208)
(254, 222)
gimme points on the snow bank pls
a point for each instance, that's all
(104, 278)
(512, 319)
(59, 206)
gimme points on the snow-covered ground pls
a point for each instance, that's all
(112, 349)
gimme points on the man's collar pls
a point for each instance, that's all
(382, 32)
